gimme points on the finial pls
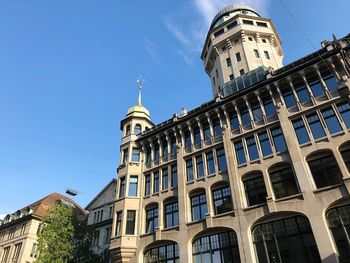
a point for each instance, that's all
(140, 80)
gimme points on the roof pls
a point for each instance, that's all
(100, 193)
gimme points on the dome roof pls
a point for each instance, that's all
(138, 111)
(231, 11)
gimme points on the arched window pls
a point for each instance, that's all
(137, 129)
(255, 189)
(151, 217)
(127, 130)
(168, 253)
(345, 153)
(324, 169)
(219, 247)
(338, 219)
(283, 180)
(285, 240)
(222, 199)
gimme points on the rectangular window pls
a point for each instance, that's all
(217, 128)
(222, 200)
(206, 131)
(300, 131)
(171, 215)
(270, 109)
(151, 220)
(173, 146)
(188, 143)
(221, 158)
(119, 223)
(133, 186)
(240, 155)
(248, 22)
(256, 53)
(156, 182)
(232, 25)
(5, 254)
(252, 148)
(234, 121)
(265, 143)
(16, 252)
(34, 252)
(210, 163)
(228, 62)
(238, 57)
(174, 176)
(125, 156)
(241, 72)
(189, 170)
(111, 211)
(315, 85)
(165, 149)
(330, 81)
(331, 120)
(165, 179)
(289, 98)
(96, 238)
(261, 24)
(23, 229)
(197, 136)
(219, 33)
(267, 55)
(148, 156)
(255, 190)
(278, 139)
(107, 234)
(245, 116)
(156, 152)
(283, 183)
(315, 126)
(199, 166)
(135, 157)
(344, 110)
(231, 77)
(122, 187)
(257, 112)
(302, 92)
(198, 207)
(147, 184)
(130, 222)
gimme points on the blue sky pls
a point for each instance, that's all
(68, 73)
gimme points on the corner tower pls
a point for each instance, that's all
(239, 41)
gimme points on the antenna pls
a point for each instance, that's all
(140, 80)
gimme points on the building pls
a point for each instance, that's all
(261, 173)
(101, 210)
(18, 231)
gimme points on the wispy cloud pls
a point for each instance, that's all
(151, 48)
(192, 33)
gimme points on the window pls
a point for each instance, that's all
(173, 146)
(119, 223)
(107, 234)
(125, 156)
(345, 153)
(245, 117)
(16, 252)
(283, 181)
(156, 152)
(206, 131)
(324, 169)
(234, 121)
(122, 187)
(315, 85)
(315, 126)
(165, 149)
(344, 110)
(95, 238)
(137, 129)
(222, 200)
(127, 131)
(238, 57)
(23, 229)
(151, 220)
(188, 143)
(219, 33)
(221, 158)
(228, 62)
(223, 48)
(231, 77)
(135, 157)
(197, 136)
(174, 176)
(248, 22)
(199, 166)
(250, 38)
(133, 186)
(241, 72)
(284, 240)
(252, 148)
(263, 40)
(189, 170)
(270, 109)
(165, 179)
(300, 131)
(34, 252)
(221, 247)
(267, 55)
(198, 207)
(302, 92)
(339, 224)
(331, 120)
(289, 98)
(257, 112)
(261, 24)
(240, 155)
(167, 253)
(330, 81)
(130, 222)
(256, 53)
(156, 182)
(255, 190)
(278, 139)
(265, 144)
(217, 128)
(148, 155)
(210, 163)
(147, 184)
(232, 25)
(171, 215)
(5, 254)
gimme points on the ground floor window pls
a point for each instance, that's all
(338, 219)
(286, 240)
(216, 248)
(163, 254)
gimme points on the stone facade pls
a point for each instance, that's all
(259, 175)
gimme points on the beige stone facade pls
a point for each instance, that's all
(258, 174)
(18, 231)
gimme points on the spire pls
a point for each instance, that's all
(140, 80)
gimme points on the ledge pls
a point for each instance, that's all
(289, 197)
(195, 222)
(327, 188)
(170, 228)
(253, 207)
(225, 214)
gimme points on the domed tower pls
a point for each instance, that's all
(239, 41)
(127, 206)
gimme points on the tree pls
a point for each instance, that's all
(65, 238)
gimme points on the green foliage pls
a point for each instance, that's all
(65, 238)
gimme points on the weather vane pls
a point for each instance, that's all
(140, 80)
